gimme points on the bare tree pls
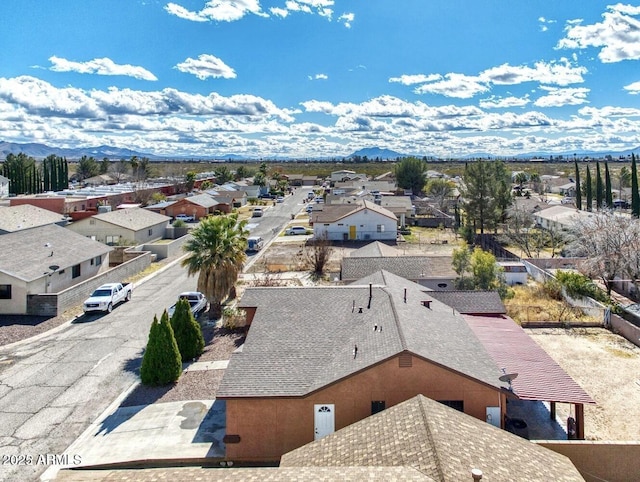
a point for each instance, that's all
(611, 245)
(520, 229)
(317, 253)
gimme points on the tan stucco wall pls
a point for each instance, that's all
(18, 302)
(272, 427)
(598, 461)
(100, 229)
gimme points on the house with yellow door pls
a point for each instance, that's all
(362, 221)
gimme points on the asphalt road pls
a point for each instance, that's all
(53, 388)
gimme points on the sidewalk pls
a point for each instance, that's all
(186, 432)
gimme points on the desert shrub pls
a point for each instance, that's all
(161, 362)
(187, 332)
(233, 318)
(179, 223)
(553, 289)
(576, 284)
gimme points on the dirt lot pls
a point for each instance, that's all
(607, 366)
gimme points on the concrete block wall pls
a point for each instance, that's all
(166, 250)
(53, 304)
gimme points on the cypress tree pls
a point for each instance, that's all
(46, 174)
(635, 197)
(599, 187)
(578, 187)
(608, 193)
(588, 190)
(161, 360)
(187, 332)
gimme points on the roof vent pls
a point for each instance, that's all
(427, 304)
(360, 310)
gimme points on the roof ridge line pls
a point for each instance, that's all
(427, 427)
(403, 340)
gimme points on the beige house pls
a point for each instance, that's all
(136, 226)
(559, 218)
(46, 259)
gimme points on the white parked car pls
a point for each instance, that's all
(185, 217)
(293, 230)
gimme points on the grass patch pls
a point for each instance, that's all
(152, 268)
(533, 303)
(620, 353)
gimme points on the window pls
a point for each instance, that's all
(150, 232)
(111, 240)
(5, 292)
(75, 271)
(377, 406)
(380, 228)
(457, 404)
(96, 261)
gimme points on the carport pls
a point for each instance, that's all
(539, 377)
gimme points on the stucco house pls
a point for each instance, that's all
(137, 226)
(364, 220)
(355, 350)
(45, 259)
(26, 216)
(199, 206)
(4, 186)
(421, 439)
(559, 218)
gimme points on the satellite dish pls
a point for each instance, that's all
(508, 377)
(54, 267)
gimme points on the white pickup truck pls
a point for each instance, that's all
(107, 296)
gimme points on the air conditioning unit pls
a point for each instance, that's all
(367, 236)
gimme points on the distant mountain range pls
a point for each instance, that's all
(40, 151)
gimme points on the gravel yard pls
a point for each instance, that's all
(607, 367)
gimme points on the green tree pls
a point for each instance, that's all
(635, 196)
(104, 165)
(223, 174)
(589, 193)
(461, 263)
(520, 179)
(87, 167)
(190, 180)
(242, 172)
(216, 252)
(578, 187)
(259, 179)
(187, 331)
(161, 360)
(486, 193)
(410, 174)
(486, 272)
(18, 168)
(599, 187)
(608, 193)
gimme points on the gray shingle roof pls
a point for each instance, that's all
(440, 442)
(204, 200)
(470, 302)
(293, 351)
(134, 219)
(23, 254)
(410, 267)
(24, 216)
(375, 249)
(333, 213)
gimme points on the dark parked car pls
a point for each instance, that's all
(619, 203)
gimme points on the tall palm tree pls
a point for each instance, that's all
(217, 254)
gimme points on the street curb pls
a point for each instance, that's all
(68, 323)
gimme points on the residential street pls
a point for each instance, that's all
(53, 388)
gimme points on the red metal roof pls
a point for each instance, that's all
(539, 376)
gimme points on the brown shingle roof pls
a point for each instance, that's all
(440, 442)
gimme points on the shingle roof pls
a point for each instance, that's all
(539, 376)
(24, 216)
(375, 249)
(472, 302)
(134, 219)
(333, 213)
(409, 267)
(204, 200)
(440, 442)
(293, 351)
(23, 254)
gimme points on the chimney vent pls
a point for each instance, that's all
(360, 310)
(476, 474)
(427, 304)
(405, 295)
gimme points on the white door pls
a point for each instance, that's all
(323, 420)
(493, 416)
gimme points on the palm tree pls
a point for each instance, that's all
(217, 254)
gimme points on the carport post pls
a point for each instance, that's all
(552, 410)
(579, 421)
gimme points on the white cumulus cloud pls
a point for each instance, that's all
(415, 79)
(103, 66)
(217, 10)
(455, 85)
(557, 97)
(617, 36)
(206, 66)
(318, 77)
(633, 88)
(347, 19)
(494, 102)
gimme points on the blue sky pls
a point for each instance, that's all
(321, 78)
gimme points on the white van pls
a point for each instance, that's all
(255, 243)
(257, 213)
